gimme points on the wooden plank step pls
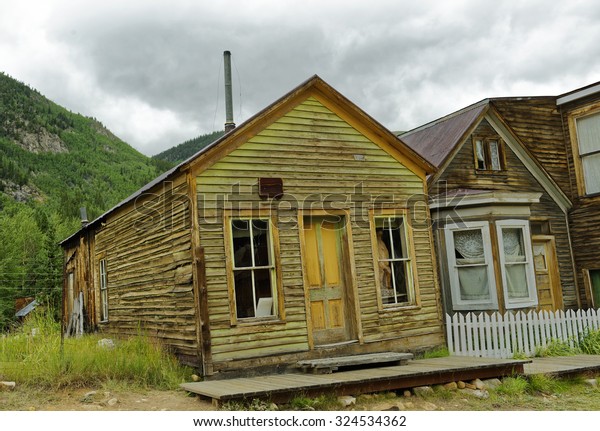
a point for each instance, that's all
(371, 359)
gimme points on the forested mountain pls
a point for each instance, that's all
(52, 162)
(183, 151)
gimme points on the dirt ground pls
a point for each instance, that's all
(579, 397)
(93, 399)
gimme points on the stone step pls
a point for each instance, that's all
(328, 365)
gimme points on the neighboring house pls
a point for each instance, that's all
(579, 111)
(25, 306)
(500, 218)
(302, 233)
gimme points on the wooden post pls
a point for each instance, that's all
(205, 346)
(199, 282)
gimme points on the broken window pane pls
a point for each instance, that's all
(254, 271)
(480, 153)
(488, 154)
(393, 261)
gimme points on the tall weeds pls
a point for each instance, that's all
(33, 356)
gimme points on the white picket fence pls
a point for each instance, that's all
(502, 335)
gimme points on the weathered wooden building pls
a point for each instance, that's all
(579, 113)
(499, 213)
(302, 233)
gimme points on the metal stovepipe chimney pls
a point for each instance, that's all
(229, 124)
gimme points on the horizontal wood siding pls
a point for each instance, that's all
(313, 150)
(537, 124)
(585, 216)
(516, 178)
(147, 248)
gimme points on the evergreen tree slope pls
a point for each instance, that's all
(66, 159)
(52, 162)
(185, 150)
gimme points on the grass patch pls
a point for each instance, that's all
(544, 384)
(322, 402)
(520, 355)
(255, 405)
(437, 352)
(557, 348)
(513, 386)
(590, 343)
(32, 355)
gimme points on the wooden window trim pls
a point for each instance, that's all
(278, 304)
(501, 155)
(457, 302)
(415, 302)
(533, 220)
(589, 293)
(70, 296)
(572, 118)
(103, 289)
(532, 299)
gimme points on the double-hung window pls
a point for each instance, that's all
(471, 269)
(253, 267)
(103, 291)
(588, 138)
(516, 261)
(394, 264)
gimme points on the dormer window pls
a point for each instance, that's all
(488, 154)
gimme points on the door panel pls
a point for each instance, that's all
(546, 274)
(324, 265)
(331, 257)
(313, 268)
(317, 311)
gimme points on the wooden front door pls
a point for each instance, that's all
(325, 266)
(546, 273)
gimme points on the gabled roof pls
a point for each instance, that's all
(314, 86)
(436, 140)
(440, 140)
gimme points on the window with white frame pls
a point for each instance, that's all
(103, 291)
(588, 138)
(394, 262)
(471, 269)
(516, 261)
(253, 268)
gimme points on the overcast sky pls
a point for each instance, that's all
(152, 71)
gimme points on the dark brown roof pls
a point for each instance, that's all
(436, 140)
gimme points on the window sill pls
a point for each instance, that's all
(591, 196)
(250, 322)
(521, 306)
(475, 307)
(398, 307)
(490, 172)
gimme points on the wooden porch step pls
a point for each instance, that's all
(329, 365)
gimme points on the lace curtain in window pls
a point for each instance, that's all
(515, 263)
(471, 265)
